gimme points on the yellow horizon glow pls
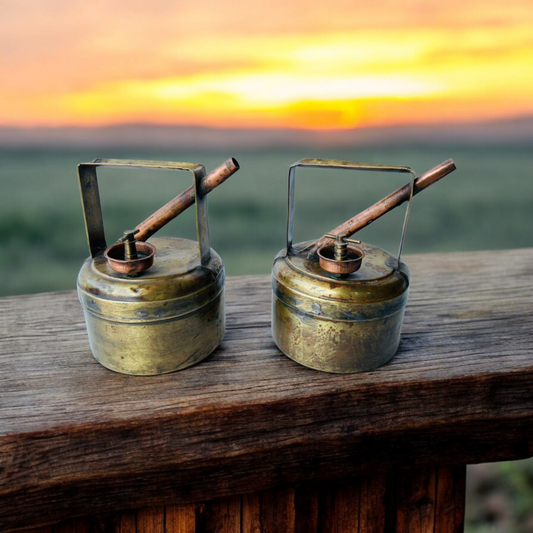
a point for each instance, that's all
(316, 80)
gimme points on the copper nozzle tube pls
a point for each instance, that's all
(388, 203)
(184, 200)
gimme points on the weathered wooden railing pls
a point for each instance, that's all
(250, 441)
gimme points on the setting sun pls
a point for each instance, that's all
(126, 71)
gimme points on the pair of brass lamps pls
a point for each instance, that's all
(157, 307)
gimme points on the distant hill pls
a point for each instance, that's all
(511, 131)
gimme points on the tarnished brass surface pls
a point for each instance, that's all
(162, 319)
(334, 324)
(168, 318)
(341, 309)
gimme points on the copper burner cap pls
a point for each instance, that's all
(115, 257)
(352, 263)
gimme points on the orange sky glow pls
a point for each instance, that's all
(245, 64)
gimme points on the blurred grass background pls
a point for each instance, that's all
(486, 204)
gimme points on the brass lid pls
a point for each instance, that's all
(377, 279)
(177, 283)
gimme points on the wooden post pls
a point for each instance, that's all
(427, 500)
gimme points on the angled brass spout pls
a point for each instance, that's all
(184, 200)
(388, 203)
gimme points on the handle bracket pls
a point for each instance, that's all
(348, 165)
(92, 209)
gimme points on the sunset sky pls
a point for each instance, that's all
(281, 63)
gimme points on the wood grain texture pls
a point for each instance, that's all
(415, 497)
(307, 508)
(427, 500)
(373, 499)
(450, 504)
(151, 520)
(180, 518)
(126, 522)
(342, 507)
(460, 390)
(219, 516)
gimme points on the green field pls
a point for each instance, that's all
(485, 204)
